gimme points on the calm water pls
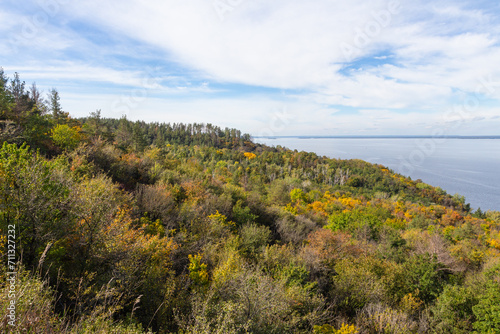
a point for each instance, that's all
(469, 167)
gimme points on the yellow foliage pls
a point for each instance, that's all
(495, 243)
(66, 137)
(414, 236)
(408, 216)
(448, 231)
(250, 155)
(349, 202)
(396, 223)
(227, 267)
(329, 329)
(197, 270)
(221, 219)
(347, 329)
(291, 209)
(410, 304)
(153, 153)
(3, 242)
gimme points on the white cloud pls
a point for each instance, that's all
(417, 55)
(286, 44)
(296, 44)
(75, 76)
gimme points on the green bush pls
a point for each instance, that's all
(487, 310)
(452, 312)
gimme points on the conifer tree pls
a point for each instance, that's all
(17, 88)
(36, 99)
(58, 114)
(138, 137)
(3, 79)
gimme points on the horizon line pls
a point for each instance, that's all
(382, 136)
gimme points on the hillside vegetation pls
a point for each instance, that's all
(133, 227)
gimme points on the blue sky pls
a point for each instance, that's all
(321, 67)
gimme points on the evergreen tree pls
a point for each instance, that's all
(58, 114)
(95, 126)
(3, 79)
(36, 99)
(21, 99)
(5, 97)
(123, 133)
(138, 137)
(17, 88)
(8, 129)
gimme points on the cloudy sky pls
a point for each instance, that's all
(280, 67)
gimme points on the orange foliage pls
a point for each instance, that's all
(451, 218)
(130, 158)
(194, 190)
(318, 207)
(327, 246)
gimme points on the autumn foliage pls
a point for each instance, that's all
(130, 227)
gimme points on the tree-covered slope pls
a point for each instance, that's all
(130, 227)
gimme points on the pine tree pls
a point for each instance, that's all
(17, 88)
(123, 133)
(6, 104)
(3, 80)
(36, 99)
(58, 114)
(138, 137)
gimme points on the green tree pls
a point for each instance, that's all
(35, 130)
(254, 238)
(3, 79)
(123, 133)
(359, 282)
(66, 137)
(95, 127)
(58, 115)
(487, 311)
(7, 126)
(298, 195)
(452, 312)
(423, 276)
(34, 196)
(138, 137)
(242, 214)
(17, 89)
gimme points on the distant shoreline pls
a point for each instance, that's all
(378, 137)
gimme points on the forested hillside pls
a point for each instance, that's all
(133, 227)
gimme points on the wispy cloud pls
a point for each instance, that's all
(397, 62)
